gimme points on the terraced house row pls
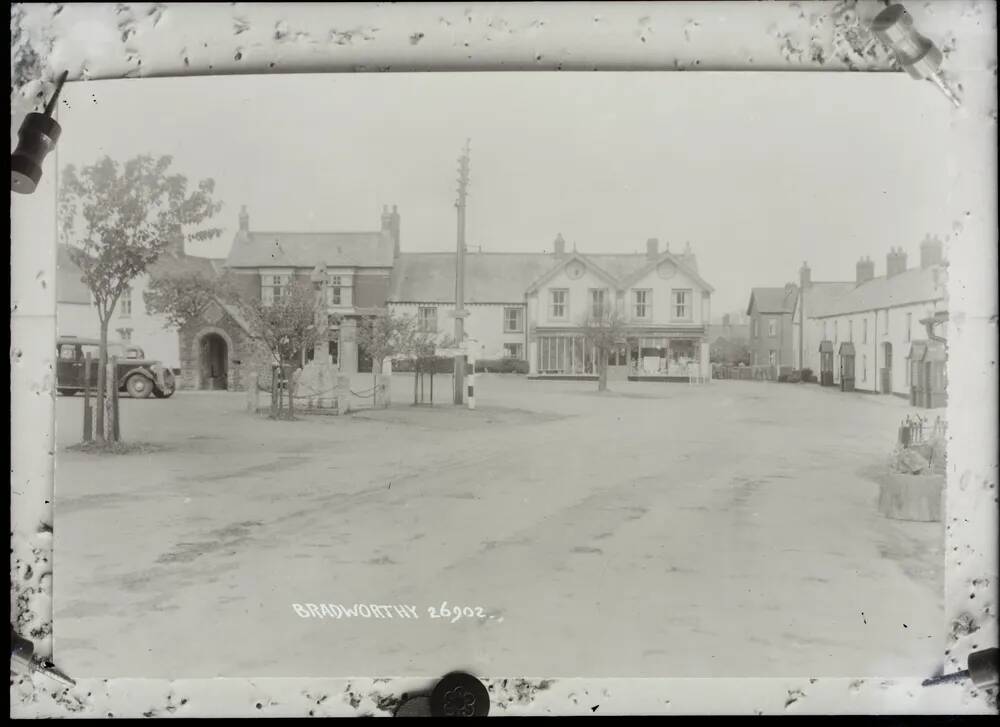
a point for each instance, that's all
(523, 305)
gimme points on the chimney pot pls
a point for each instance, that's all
(244, 218)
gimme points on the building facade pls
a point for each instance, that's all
(663, 301)
(532, 306)
(351, 268)
(769, 311)
(875, 334)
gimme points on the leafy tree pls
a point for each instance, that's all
(117, 219)
(384, 336)
(290, 325)
(605, 332)
(180, 296)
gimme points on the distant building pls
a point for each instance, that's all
(729, 343)
(76, 314)
(532, 306)
(771, 338)
(873, 333)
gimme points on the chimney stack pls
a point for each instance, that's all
(865, 270)
(805, 275)
(895, 262)
(725, 320)
(244, 219)
(652, 247)
(390, 226)
(931, 252)
(560, 245)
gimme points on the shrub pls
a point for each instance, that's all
(807, 375)
(795, 377)
(502, 366)
(783, 378)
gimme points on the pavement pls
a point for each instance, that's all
(657, 529)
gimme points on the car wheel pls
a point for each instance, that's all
(163, 394)
(139, 387)
(168, 389)
(67, 392)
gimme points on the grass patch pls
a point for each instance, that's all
(117, 448)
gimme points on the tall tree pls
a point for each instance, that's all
(287, 327)
(605, 330)
(116, 220)
(180, 296)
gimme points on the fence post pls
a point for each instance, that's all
(115, 427)
(274, 392)
(88, 414)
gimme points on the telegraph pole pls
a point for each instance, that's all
(463, 187)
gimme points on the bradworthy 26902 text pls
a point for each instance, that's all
(400, 611)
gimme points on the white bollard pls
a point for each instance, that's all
(472, 387)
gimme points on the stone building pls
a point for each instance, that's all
(353, 270)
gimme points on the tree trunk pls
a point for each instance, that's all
(291, 392)
(416, 375)
(102, 368)
(602, 371)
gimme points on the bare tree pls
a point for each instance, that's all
(116, 219)
(605, 330)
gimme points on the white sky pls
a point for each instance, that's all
(758, 171)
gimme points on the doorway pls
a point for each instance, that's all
(214, 362)
(887, 369)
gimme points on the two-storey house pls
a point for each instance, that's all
(874, 333)
(771, 336)
(351, 268)
(663, 302)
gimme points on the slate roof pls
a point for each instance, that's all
(490, 277)
(772, 300)
(911, 286)
(71, 289)
(494, 277)
(170, 264)
(306, 249)
(819, 296)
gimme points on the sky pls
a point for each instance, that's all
(757, 171)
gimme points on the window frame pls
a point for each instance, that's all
(285, 281)
(125, 303)
(422, 319)
(687, 306)
(518, 318)
(517, 347)
(563, 304)
(909, 328)
(772, 327)
(598, 294)
(647, 303)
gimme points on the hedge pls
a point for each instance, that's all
(501, 366)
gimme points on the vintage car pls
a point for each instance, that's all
(137, 375)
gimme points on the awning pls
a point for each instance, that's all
(927, 351)
(826, 346)
(847, 348)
